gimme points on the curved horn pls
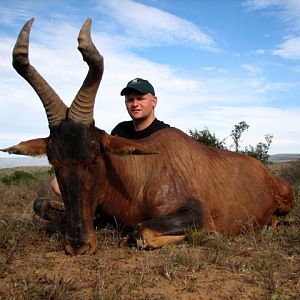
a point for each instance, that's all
(54, 106)
(82, 107)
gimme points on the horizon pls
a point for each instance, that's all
(26, 161)
(212, 64)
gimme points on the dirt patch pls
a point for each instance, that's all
(33, 264)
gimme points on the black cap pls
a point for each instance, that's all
(138, 85)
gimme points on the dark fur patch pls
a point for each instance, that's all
(188, 216)
(71, 141)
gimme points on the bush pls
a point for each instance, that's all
(17, 177)
(51, 171)
(207, 138)
(260, 151)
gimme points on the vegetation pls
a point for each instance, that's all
(236, 134)
(291, 172)
(256, 265)
(17, 177)
(206, 137)
(260, 151)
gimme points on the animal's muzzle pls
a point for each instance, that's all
(80, 247)
(79, 239)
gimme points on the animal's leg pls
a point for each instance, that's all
(55, 108)
(157, 232)
(276, 222)
(284, 196)
(150, 239)
(48, 209)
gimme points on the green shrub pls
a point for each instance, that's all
(207, 138)
(259, 151)
(51, 171)
(18, 177)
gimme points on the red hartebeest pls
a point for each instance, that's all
(159, 186)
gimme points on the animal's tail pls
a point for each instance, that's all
(284, 196)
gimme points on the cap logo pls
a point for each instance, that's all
(135, 80)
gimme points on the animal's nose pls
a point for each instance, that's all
(76, 247)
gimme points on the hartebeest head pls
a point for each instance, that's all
(75, 145)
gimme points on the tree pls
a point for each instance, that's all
(206, 137)
(261, 150)
(236, 134)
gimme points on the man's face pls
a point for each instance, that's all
(140, 106)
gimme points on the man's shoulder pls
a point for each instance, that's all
(123, 129)
(124, 124)
(157, 124)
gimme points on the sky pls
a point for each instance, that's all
(213, 64)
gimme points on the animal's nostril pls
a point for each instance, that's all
(77, 244)
(76, 249)
(79, 247)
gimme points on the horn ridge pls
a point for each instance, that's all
(54, 106)
(82, 107)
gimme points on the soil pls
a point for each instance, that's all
(33, 263)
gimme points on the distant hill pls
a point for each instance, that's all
(12, 162)
(276, 158)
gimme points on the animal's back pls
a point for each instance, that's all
(235, 188)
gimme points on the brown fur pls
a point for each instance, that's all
(234, 188)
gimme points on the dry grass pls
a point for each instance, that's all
(257, 265)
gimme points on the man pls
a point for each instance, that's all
(140, 101)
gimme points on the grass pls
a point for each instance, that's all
(256, 265)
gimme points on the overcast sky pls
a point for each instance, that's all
(213, 63)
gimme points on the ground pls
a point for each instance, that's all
(261, 264)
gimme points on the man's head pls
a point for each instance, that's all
(140, 102)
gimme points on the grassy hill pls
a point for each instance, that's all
(284, 157)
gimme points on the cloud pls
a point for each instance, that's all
(289, 49)
(261, 4)
(147, 25)
(254, 69)
(288, 11)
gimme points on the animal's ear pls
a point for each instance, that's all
(35, 147)
(118, 145)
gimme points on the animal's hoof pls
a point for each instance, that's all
(140, 244)
(136, 239)
(47, 209)
(40, 206)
